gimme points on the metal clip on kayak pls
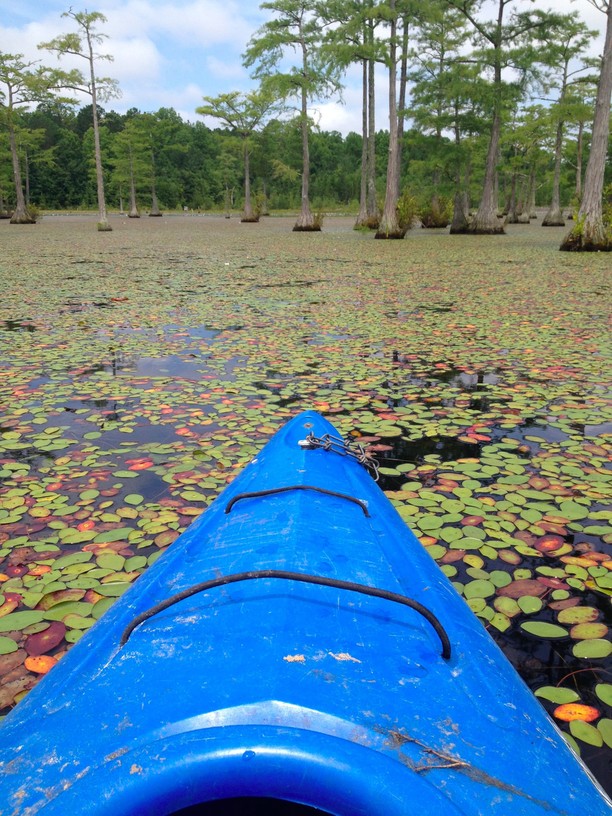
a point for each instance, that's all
(345, 447)
(292, 576)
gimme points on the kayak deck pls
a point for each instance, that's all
(275, 687)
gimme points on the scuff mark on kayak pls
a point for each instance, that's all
(344, 657)
(116, 754)
(299, 658)
(440, 760)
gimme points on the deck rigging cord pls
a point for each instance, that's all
(344, 447)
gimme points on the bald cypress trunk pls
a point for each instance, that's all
(589, 233)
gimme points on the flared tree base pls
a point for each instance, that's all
(155, 214)
(553, 218)
(307, 228)
(249, 219)
(393, 235)
(22, 218)
(370, 222)
(486, 229)
(583, 239)
(433, 222)
(104, 226)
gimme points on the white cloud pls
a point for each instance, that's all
(200, 22)
(223, 70)
(169, 53)
(136, 60)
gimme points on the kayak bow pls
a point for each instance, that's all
(295, 649)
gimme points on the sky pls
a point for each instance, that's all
(169, 53)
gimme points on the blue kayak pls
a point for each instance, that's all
(295, 651)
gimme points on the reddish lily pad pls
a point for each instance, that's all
(525, 586)
(588, 631)
(40, 664)
(45, 641)
(568, 712)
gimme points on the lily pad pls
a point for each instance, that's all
(588, 631)
(592, 649)
(578, 614)
(604, 726)
(586, 732)
(7, 645)
(46, 640)
(19, 620)
(557, 694)
(542, 629)
(604, 692)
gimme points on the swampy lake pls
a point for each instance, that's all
(140, 369)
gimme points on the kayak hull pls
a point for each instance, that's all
(312, 694)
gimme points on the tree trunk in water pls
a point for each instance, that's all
(461, 206)
(306, 220)
(373, 214)
(3, 208)
(21, 214)
(402, 100)
(523, 206)
(532, 193)
(485, 221)
(589, 233)
(155, 211)
(389, 225)
(461, 222)
(579, 151)
(27, 178)
(554, 216)
(362, 217)
(248, 216)
(510, 208)
(103, 225)
(133, 213)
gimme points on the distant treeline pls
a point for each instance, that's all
(194, 166)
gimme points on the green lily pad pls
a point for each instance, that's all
(19, 620)
(604, 692)
(592, 649)
(578, 614)
(542, 629)
(573, 510)
(119, 534)
(557, 694)
(7, 646)
(479, 589)
(604, 726)
(529, 605)
(585, 732)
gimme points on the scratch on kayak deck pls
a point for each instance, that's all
(344, 657)
(299, 658)
(439, 760)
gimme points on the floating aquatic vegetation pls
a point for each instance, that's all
(140, 375)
